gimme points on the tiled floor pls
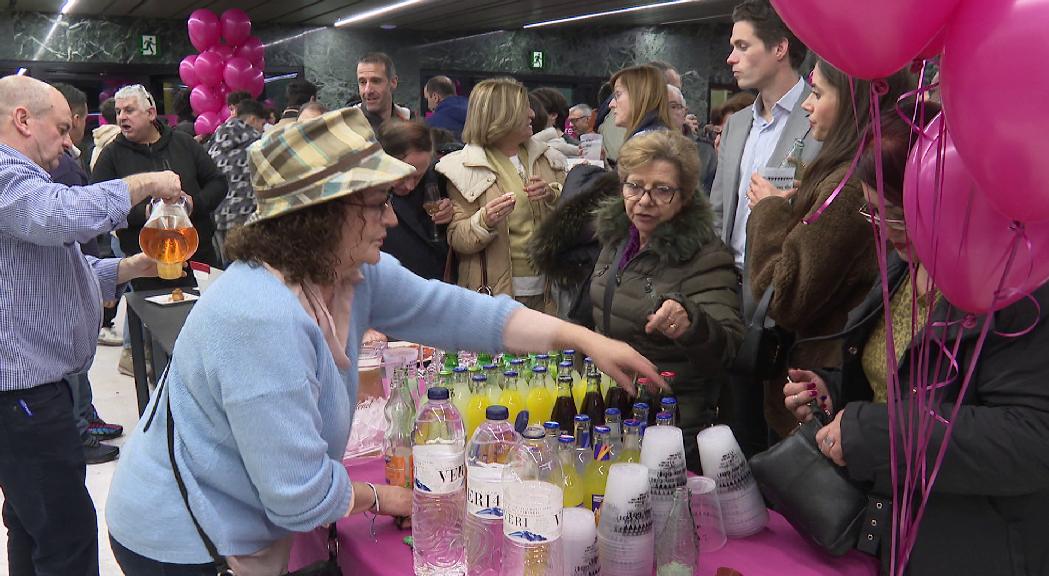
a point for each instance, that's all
(115, 400)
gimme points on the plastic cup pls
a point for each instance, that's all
(663, 451)
(580, 542)
(706, 513)
(625, 540)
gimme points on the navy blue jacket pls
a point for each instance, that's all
(450, 115)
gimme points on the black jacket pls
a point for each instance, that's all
(991, 498)
(565, 246)
(409, 241)
(182, 154)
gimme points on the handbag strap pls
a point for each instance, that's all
(221, 565)
(610, 287)
(484, 269)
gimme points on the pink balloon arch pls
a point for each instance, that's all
(230, 59)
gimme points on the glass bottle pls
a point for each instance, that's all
(540, 401)
(571, 483)
(676, 547)
(168, 237)
(631, 451)
(510, 395)
(593, 402)
(582, 442)
(614, 421)
(596, 475)
(644, 396)
(397, 442)
(641, 415)
(564, 411)
(669, 404)
(665, 419)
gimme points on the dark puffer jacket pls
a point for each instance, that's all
(686, 262)
(565, 246)
(229, 150)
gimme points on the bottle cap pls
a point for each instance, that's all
(510, 374)
(588, 360)
(643, 380)
(480, 378)
(564, 378)
(459, 369)
(497, 412)
(488, 367)
(534, 433)
(517, 361)
(566, 439)
(612, 412)
(665, 416)
(640, 406)
(542, 356)
(539, 369)
(551, 425)
(668, 401)
(437, 393)
(582, 418)
(565, 364)
(632, 423)
(568, 351)
(668, 374)
(602, 429)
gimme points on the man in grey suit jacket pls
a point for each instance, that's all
(765, 57)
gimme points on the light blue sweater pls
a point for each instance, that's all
(262, 414)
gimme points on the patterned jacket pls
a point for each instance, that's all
(229, 150)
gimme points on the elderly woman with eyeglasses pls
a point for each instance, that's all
(664, 282)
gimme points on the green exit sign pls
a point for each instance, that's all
(538, 60)
(147, 45)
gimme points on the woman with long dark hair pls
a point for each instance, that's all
(820, 270)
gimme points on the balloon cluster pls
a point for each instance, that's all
(220, 68)
(983, 177)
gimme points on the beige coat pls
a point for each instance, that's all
(471, 185)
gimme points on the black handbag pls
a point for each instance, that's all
(764, 351)
(810, 491)
(329, 567)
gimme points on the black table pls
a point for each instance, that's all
(157, 326)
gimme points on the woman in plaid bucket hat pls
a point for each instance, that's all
(262, 384)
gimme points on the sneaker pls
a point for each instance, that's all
(96, 453)
(101, 429)
(125, 366)
(108, 337)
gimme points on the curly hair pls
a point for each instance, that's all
(303, 245)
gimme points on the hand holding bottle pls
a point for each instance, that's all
(164, 185)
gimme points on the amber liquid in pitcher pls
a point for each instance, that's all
(169, 246)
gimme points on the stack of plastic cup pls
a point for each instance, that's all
(742, 507)
(580, 542)
(625, 541)
(663, 451)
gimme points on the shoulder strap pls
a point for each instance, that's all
(220, 563)
(610, 287)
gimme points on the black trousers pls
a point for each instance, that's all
(50, 518)
(137, 565)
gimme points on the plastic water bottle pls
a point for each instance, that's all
(439, 495)
(487, 456)
(533, 520)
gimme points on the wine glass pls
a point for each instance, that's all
(432, 205)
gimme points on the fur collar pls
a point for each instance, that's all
(675, 241)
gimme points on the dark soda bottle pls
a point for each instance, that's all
(593, 403)
(564, 411)
(644, 396)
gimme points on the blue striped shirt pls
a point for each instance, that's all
(50, 293)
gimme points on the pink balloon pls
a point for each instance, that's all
(186, 71)
(256, 83)
(252, 50)
(997, 119)
(204, 29)
(224, 114)
(205, 99)
(866, 39)
(935, 46)
(206, 123)
(237, 73)
(960, 238)
(236, 26)
(224, 50)
(209, 67)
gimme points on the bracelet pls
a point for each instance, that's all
(375, 495)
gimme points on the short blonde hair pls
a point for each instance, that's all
(667, 145)
(497, 107)
(647, 89)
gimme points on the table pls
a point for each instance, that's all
(775, 551)
(155, 325)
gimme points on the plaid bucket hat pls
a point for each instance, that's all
(321, 159)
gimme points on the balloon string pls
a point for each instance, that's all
(844, 180)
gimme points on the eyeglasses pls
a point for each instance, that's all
(872, 217)
(380, 207)
(579, 119)
(676, 106)
(659, 194)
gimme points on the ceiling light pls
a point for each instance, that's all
(68, 6)
(610, 13)
(388, 26)
(376, 12)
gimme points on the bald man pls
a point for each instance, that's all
(51, 305)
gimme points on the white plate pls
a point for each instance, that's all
(165, 299)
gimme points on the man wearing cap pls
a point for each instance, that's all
(260, 393)
(50, 311)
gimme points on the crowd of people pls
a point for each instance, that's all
(482, 224)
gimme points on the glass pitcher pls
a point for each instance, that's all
(169, 237)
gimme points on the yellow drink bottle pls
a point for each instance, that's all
(510, 396)
(571, 484)
(631, 442)
(540, 401)
(477, 403)
(596, 476)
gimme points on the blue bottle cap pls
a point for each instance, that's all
(539, 369)
(566, 439)
(602, 429)
(668, 401)
(551, 425)
(612, 412)
(437, 393)
(632, 423)
(487, 367)
(517, 361)
(565, 364)
(510, 374)
(582, 418)
(640, 406)
(542, 356)
(665, 416)
(459, 369)
(568, 352)
(480, 378)
(497, 412)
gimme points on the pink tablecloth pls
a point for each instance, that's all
(775, 551)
